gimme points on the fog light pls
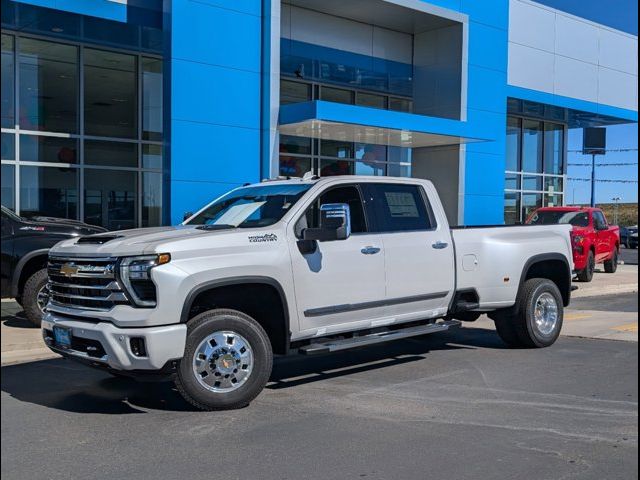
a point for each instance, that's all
(138, 348)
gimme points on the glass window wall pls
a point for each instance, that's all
(87, 143)
(110, 99)
(8, 76)
(48, 86)
(535, 166)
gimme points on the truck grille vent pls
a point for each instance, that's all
(88, 284)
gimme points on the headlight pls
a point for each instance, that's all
(578, 239)
(135, 273)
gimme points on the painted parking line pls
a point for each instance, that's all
(628, 327)
(576, 316)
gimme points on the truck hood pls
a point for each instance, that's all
(129, 242)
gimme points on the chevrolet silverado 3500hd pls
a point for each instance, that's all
(302, 266)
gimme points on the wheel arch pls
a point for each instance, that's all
(27, 266)
(256, 296)
(552, 266)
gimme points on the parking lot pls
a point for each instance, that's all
(455, 404)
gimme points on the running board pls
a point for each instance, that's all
(380, 337)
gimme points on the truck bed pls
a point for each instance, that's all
(491, 263)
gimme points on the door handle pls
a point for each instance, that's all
(440, 245)
(370, 250)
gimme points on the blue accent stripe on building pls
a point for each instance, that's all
(621, 114)
(107, 9)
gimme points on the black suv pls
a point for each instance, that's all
(25, 245)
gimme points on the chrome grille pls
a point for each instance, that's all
(84, 283)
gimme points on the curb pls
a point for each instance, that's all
(606, 290)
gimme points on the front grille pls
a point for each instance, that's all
(85, 283)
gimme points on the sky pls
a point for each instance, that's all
(619, 14)
(618, 136)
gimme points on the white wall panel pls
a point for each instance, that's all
(343, 34)
(530, 68)
(536, 26)
(617, 51)
(617, 88)
(576, 79)
(576, 39)
(329, 31)
(392, 45)
(558, 53)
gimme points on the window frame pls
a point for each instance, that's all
(358, 186)
(17, 163)
(430, 215)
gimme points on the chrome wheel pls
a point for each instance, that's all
(546, 313)
(223, 361)
(42, 298)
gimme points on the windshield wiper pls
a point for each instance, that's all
(215, 226)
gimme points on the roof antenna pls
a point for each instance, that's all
(310, 176)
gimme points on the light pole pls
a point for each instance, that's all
(616, 201)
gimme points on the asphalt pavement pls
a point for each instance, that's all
(453, 405)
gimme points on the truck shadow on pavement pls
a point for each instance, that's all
(18, 320)
(64, 385)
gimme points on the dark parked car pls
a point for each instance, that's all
(629, 236)
(25, 245)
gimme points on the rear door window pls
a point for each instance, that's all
(398, 208)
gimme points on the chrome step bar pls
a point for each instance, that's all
(379, 337)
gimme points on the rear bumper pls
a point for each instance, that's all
(110, 346)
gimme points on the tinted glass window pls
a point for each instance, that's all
(348, 194)
(554, 217)
(48, 86)
(110, 97)
(599, 220)
(398, 208)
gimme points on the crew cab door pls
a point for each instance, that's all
(418, 249)
(603, 236)
(343, 280)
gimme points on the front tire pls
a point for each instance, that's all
(586, 275)
(35, 296)
(611, 265)
(227, 360)
(538, 318)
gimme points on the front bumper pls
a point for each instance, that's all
(105, 344)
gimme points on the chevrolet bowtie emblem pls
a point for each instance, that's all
(68, 269)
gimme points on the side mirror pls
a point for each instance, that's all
(335, 223)
(187, 216)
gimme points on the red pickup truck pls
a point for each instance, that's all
(594, 240)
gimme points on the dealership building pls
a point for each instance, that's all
(128, 113)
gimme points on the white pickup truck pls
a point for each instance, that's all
(302, 266)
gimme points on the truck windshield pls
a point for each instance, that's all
(577, 219)
(248, 207)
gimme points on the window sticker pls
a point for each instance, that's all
(402, 204)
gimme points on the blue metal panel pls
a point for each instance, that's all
(214, 85)
(221, 39)
(192, 195)
(488, 47)
(96, 8)
(485, 86)
(486, 113)
(494, 13)
(214, 153)
(216, 95)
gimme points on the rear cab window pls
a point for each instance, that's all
(398, 208)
